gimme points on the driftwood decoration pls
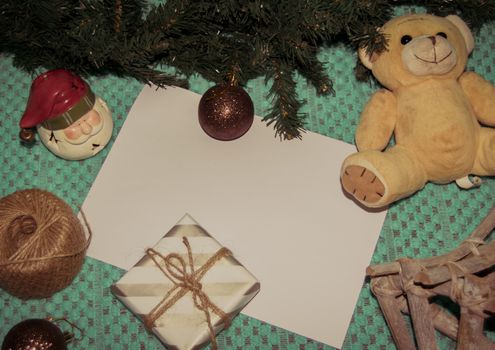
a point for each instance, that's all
(466, 275)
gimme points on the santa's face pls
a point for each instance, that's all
(83, 138)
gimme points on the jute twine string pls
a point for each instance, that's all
(409, 286)
(473, 245)
(458, 292)
(175, 268)
(42, 244)
(385, 286)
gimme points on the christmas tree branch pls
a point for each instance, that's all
(271, 38)
(287, 121)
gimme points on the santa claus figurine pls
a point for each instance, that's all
(71, 121)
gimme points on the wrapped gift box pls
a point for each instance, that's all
(228, 285)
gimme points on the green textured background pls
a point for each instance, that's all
(431, 222)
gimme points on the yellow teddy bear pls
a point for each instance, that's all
(432, 106)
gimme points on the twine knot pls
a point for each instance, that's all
(385, 286)
(466, 289)
(473, 245)
(186, 279)
(409, 284)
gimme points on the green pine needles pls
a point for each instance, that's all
(236, 40)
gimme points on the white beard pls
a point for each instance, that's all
(57, 142)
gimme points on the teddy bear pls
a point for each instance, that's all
(441, 116)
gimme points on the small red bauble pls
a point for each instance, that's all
(226, 112)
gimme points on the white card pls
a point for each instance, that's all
(278, 205)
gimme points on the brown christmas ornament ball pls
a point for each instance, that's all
(34, 334)
(226, 112)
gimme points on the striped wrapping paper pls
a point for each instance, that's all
(227, 283)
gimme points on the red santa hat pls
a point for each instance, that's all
(57, 99)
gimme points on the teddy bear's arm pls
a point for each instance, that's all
(481, 94)
(377, 122)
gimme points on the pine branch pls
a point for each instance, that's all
(287, 121)
(474, 12)
(270, 38)
(152, 76)
(317, 75)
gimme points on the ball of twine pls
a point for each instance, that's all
(42, 244)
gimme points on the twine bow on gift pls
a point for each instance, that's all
(175, 268)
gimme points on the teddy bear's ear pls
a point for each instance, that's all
(465, 31)
(365, 58)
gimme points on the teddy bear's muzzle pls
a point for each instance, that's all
(429, 55)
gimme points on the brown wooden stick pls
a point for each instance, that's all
(390, 285)
(443, 321)
(480, 233)
(387, 291)
(470, 265)
(419, 307)
(489, 307)
(452, 275)
(472, 292)
(390, 296)
(471, 335)
(446, 287)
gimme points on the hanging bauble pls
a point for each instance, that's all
(226, 112)
(42, 244)
(35, 334)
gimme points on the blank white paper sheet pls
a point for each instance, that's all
(278, 205)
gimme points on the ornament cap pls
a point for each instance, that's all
(57, 99)
(27, 136)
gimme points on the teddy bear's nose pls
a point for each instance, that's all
(433, 39)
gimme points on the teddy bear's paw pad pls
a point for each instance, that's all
(362, 184)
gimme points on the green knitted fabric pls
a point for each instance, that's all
(432, 222)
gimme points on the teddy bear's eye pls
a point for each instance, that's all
(442, 34)
(405, 39)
